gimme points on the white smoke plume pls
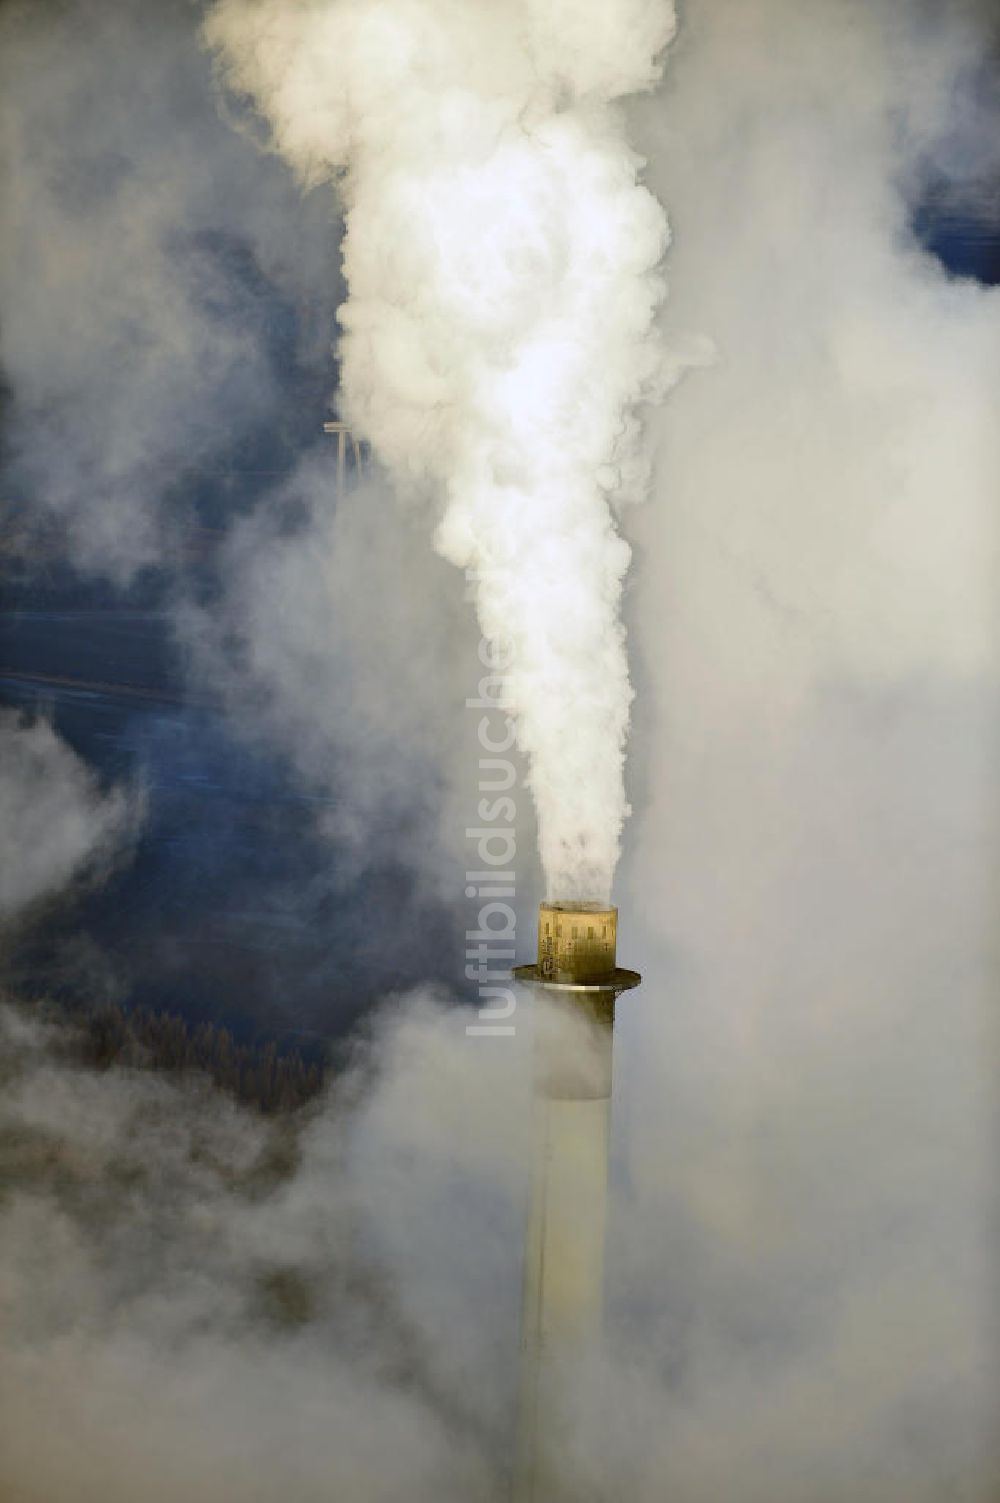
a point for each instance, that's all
(501, 259)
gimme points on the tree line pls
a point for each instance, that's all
(258, 1075)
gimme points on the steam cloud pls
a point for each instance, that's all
(501, 267)
(197, 1302)
(55, 821)
(138, 236)
(803, 1251)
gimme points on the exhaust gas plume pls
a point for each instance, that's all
(498, 336)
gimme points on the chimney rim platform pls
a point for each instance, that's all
(618, 980)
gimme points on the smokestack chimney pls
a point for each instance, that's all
(563, 1297)
(577, 951)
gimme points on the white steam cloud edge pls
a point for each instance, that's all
(501, 262)
(55, 820)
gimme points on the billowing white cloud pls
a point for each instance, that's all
(809, 1107)
(501, 262)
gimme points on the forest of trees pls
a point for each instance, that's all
(258, 1075)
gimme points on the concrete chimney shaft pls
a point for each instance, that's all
(563, 1294)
